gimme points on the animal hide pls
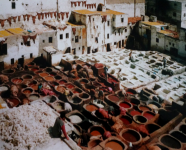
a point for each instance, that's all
(15, 18)
(58, 14)
(2, 22)
(42, 14)
(34, 19)
(51, 14)
(104, 18)
(46, 15)
(55, 15)
(95, 5)
(74, 30)
(67, 14)
(19, 18)
(24, 17)
(9, 20)
(33, 37)
(79, 3)
(25, 38)
(39, 16)
(72, 4)
(75, 4)
(62, 15)
(28, 16)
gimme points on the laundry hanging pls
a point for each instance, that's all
(79, 3)
(74, 30)
(39, 16)
(51, 14)
(9, 20)
(14, 18)
(2, 22)
(28, 16)
(33, 37)
(62, 15)
(59, 14)
(24, 17)
(67, 14)
(42, 14)
(55, 15)
(34, 19)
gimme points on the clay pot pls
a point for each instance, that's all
(144, 108)
(27, 77)
(83, 81)
(50, 99)
(43, 74)
(90, 107)
(85, 97)
(49, 78)
(54, 83)
(62, 82)
(126, 120)
(69, 85)
(13, 102)
(170, 141)
(130, 135)
(140, 119)
(37, 72)
(131, 91)
(148, 114)
(96, 130)
(33, 97)
(126, 105)
(76, 102)
(27, 91)
(17, 80)
(134, 101)
(34, 69)
(152, 127)
(60, 89)
(179, 135)
(8, 71)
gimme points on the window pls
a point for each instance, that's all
(169, 43)
(184, 14)
(174, 14)
(108, 23)
(21, 43)
(28, 43)
(115, 33)
(122, 20)
(13, 5)
(93, 19)
(77, 39)
(3, 49)
(115, 43)
(79, 48)
(92, 36)
(43, 41)
(12, 61)
(113, 19)
(173, 45)
(31, 55)
(125, 30)
(157, 40)
(50, 40)
(107, 36)
(67, 35)
(61, 36)
(96, 40)
(72, 39)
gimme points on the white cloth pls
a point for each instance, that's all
(68, 107)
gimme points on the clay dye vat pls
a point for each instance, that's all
(62, 81)
(76, 100)
(17, 80)
(183, 128)
(112, 80)
(58, 106)
(180, 136)
(53, 83)
(95, 133)
(12, 102)
(58, 77)
(50, 99)
(131, 135)
(135, 112)
(76, 90)
(8, 71)
(113, 98)
(27, 77)
(70, 86)
(83, 81)
(170, 142)
(34, 69)
(96, 130)
(126, 120)
(27, 91)
(114, 145)
(125, 105)
(33, 97)
(84, 95)
(60, 89)
(75, 119)
(34, 87)
(91, 108)
(44, 74)
(154, 105)
(48, 70)
(134, 101)
(140, 119)
(149, 115)
(144, 108)
(131, 91)
(49, 78)
(152, 128)
(53, 74)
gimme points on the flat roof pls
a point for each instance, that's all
(16, 30)
(4, 33)
(153, 23)
(73, 24)
(107, 12)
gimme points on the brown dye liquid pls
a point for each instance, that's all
(113, 98)
(114, 145)
(82, 82)
(91, 108)
(60, 89)
(43, 74)
(27, 91)
(129, 137)
(16, 81)
(95, 133)
(14, 101)
(35, 87)
(49, 78)
(143, 108)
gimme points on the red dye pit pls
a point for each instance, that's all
(91, 108)
(129, 137)
(143, 108)
(82, 82)
(43, 74)
(17, 81)
(112, 80)
(34, 69)
(70, 86)
(113, 98)
(134, 112)
(49, 78)
(14, 101)
(52, 74)
(125, 105)
(74, 91)
(149, 116)
(130, 93)
(27, 91)
(125, 121)
(62, 82)
(34, 86)
(95, 133)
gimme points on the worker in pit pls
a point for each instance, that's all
(40, 86)
(164, 62)
(100, 94)
(59, 127)
(119, 74)
(105, 71)
(130, 55)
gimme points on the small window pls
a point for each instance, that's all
(12, 61)
(174, 14)
(169, 43)
(96, 40)
(31, 55)
(43, 41)
(50, 39)
(97, 27)
(79, 48)
(28, 43)
(125, 30)
(61, 36)
(3, 49)
(122, 20)
(157, 40)
(107, 36)
(113, 19)
(93, 19)
(173, 45)
(67, 35)
(21, 43)
(115, 43)
(72, 39)
(108, 23)
(13, 5)
(77, 39)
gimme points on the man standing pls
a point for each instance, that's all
(164, 62)
(105, 71)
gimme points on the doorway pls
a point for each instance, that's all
(88, 50)
(174, 51)
(119, 44)
(123, 43)
(108, 47)
(21, 61)
(74, 51)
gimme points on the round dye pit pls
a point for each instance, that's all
(13, 102)
(84, 95)
(154, 105)
(75, 119)
(140, 119)
(27, 91)
(58, 106)
(17, 80)
(180, 136)
(34, 69)
(134, 101)
(53, 74)
(44, 74)
(58, 77)
(131, 135)
(49, 99)
(76, 90)
(95, 133)
(96, 84)
(38, 72)
(76, 100)
(62, 81)
(70, 86)
(144, 108)
(27, 77)
(135, 112)
(48, 70)
(113, 98)
(54, 83)
(60, 89)
(149, 115)
(91, 108)
(49, 78)
(114, 145)
(183, 128)
(125, 105)
(152, 128)
(131, 91)
(112, 80)
(34, 87)
(171, 142)
(8, 71)
(126, 120)
(33, 97)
